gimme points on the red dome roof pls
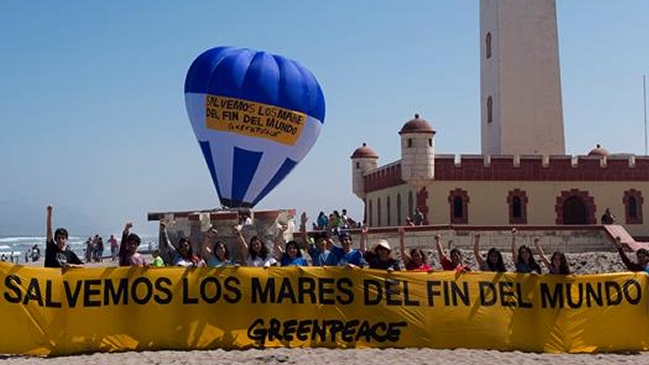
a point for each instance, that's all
(364, 152)
(416, 125)
(598, 151)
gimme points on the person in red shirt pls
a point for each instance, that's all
(416, 260)
(455, 262)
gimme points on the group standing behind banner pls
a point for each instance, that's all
(319, 250)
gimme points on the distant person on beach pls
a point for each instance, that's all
(319, 250)
(558, 264)
(523, 258)
(128, 255)
(57, 251)
(380, 257)
(36, 253)
(494, 261)
(642, 257)
(157, 260)
(113, 247)
(454, 263)
(322, 221)
(100, 250)
(214, 251)
(345, 255)
(183, 255)
(608, 217)
(416, 260)
(256, 253)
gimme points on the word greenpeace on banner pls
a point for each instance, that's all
(319, 291)
(326, 330)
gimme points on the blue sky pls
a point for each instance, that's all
(93, 121)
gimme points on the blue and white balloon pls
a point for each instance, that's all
(255, 116)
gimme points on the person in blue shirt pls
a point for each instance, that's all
(319, 250)
(291, 255)
(215, 254)
(523, 258)
(344, 254)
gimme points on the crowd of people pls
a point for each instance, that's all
(320, 250)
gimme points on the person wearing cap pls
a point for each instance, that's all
(319, 250)
(345, 255)
(380, 257)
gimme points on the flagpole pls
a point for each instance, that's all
(644, 99)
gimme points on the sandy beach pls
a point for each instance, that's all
(328, 357)
(585, 263)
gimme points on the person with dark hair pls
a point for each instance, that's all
(291, 255)
(183, 255)
(128, 255)
(642, 257)
(608, 217)
(322, 220)
(523, 258)
(345, 255)
(455, 262)
(57, 251)
(319, 250)
(494, 261)
(558, 264)
(216, 254)
(416, 260)
(256, 253)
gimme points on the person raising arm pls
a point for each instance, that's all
(57, 251)
(416, 260)
(455, 262)
(558, 264)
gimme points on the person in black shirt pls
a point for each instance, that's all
(57, 252)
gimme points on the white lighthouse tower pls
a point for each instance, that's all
(520, 81)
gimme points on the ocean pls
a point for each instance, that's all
(18, 245)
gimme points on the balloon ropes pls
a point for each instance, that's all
(255, 116)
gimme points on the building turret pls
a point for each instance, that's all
(417, 152)
(364, 159)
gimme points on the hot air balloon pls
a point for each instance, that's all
(255, 116)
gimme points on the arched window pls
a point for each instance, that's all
(490, 109)
(487, 42)
(370, 221)
(458, 208)
(378, 212)
(409, 142)
(458, 200)
(633, 206)
(575, 206)
(411, 207)
(387, 210)
(517, 201)
(399, 221)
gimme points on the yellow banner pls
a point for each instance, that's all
(46, 312)
(252, 119)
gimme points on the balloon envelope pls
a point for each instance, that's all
(255, 116)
